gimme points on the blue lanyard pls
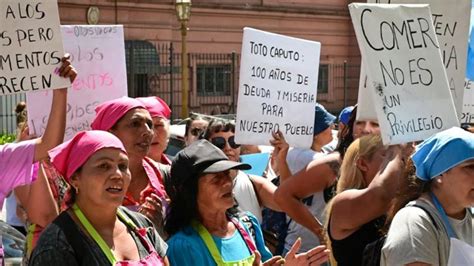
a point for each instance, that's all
(447, 224)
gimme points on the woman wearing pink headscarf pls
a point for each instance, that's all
(16, 159)
(129, 120)
(160, 113)
(95, 230)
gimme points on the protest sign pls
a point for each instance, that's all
(468, 108)
(409, 84)
(365, 103)
(98, 54)
(451, 25)
(258, 161)
(277, 88)
(32, 47)
(467, 116)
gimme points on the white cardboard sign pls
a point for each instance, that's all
(31, 46)
(409, 85)
(98, 54)
(451, 25)
(277, 88)
(468, 109)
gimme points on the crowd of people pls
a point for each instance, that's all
(111, 196)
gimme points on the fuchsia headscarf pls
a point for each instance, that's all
(72, 154)
(156, 106)
(108, 113)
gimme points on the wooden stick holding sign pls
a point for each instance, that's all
(31, 46)
(409, 84)
(277, 88)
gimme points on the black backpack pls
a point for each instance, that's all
(373, 251)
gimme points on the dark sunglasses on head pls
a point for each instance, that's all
(196, 131)
(219, 142)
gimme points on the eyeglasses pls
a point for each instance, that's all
(196, 131)
(219, 142)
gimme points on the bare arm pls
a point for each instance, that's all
(265, 190)
(318, 175)
(353, 208)
(54, 132)
(38, 201)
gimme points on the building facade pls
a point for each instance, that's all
(153, 42)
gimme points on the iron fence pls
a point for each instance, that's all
(154, 68)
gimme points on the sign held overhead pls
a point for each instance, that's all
(277, 88)
(409, 84)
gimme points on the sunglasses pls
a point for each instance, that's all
(196, 131)
(219, 142)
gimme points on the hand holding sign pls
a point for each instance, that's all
(403, 62)
(31, 46)
(278, 83)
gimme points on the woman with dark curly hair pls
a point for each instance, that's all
(203, 225)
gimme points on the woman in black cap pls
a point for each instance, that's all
(202, 223)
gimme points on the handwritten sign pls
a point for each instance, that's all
(467, 116)
(409, 84)
(98, 54)
(365, 103)
(277, 88)
(31, 46)
(451, 25)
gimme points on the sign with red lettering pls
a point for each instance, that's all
(408, 80)
(451, 25)
(98, 54)
(277, 88)
(31, 46)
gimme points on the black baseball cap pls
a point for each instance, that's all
(201, 157)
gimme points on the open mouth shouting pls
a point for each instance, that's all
(115, 189)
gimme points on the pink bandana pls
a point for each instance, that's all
(156, 106)
(72, 154)
(108, 113)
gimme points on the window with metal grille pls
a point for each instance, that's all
(323, 78)
(213, 80)
(142, 62)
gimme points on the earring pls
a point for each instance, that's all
(77, 190)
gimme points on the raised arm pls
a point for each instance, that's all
(280, 151)
(265, 190)
(318, 175)
(54, 132)
(353, 208)
(38, 200)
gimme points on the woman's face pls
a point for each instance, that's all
(230, 150)
(215, 191)
(103, 179)
(325, 137)
(370, 167)
(135, 130)
(161, 128)
(458, 183)
(362, 128)
(196, 128)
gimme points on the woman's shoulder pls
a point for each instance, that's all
(417, 218)
(137, 218)
(186, 239)
(54, 236)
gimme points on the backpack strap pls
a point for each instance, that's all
(72, 233)
(429, 215)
